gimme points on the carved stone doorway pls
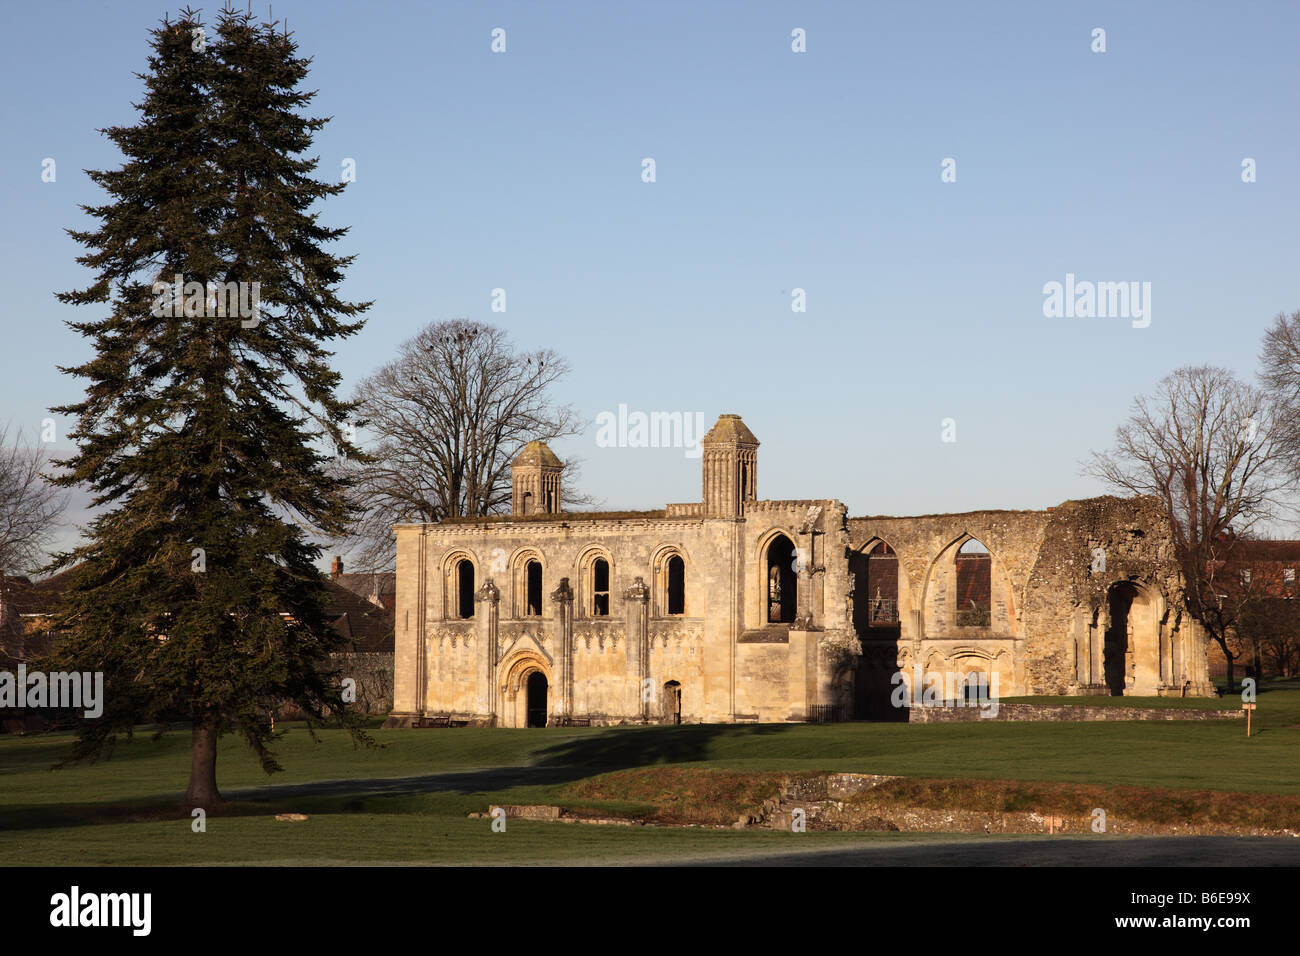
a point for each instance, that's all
(672, 702)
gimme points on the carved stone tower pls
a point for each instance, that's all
(730, 468)
(535, 481)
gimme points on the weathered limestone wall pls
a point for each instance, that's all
(721, 651)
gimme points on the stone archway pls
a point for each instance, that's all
(877, 591)
(1131, 643)
(526, 691)
(1116, 645)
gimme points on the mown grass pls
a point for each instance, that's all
(393, 800)
(408, 839)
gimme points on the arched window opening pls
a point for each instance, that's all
(533, 573)
(600, 588)
(464, 588)
(782, 582)
(882, 586)
(676, 585)
(974, 585)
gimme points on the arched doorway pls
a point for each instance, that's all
(876, 621)
(672, 713)
(782, 582)
(1117, 650)
(535, 695)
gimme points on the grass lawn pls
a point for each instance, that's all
(407, 800)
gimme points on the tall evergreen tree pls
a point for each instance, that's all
(196, 591)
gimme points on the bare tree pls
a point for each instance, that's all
(1280, 373)
(1209, 447)
(448, 415)
(30, 506)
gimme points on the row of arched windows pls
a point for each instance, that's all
(668, 593)
(876, 586)
(781, 564)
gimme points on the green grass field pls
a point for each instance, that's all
(406, 800)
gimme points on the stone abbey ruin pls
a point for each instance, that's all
(735, 608)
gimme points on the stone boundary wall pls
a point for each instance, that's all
(1064, 712)
(373, 672)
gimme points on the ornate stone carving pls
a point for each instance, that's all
(637, 591)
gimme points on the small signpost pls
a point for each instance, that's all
(1053, 823)
(1247, 708)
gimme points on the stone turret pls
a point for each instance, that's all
(730, 468)
(535, 480)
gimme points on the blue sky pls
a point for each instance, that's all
(775, 170)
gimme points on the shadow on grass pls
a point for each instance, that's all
(620, 748)
(617, 748)
(626, 748)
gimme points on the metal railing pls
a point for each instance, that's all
(882, 611)
(829, 713)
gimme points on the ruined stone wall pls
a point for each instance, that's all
(1053, 573)
(1053, 627)
(1090, 547)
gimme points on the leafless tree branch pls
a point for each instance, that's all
(449, 414)
(30, 506)
(1212, 449)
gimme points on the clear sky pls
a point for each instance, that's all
(775, 170)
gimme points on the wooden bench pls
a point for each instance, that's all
(572, 721)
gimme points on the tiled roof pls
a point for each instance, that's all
(379, 586)
(730, 428)
(367, 625)
(536, 453)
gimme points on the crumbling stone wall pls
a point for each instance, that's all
(1053, 574)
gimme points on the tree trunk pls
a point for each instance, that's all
(203, 791)
(1232, 687)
